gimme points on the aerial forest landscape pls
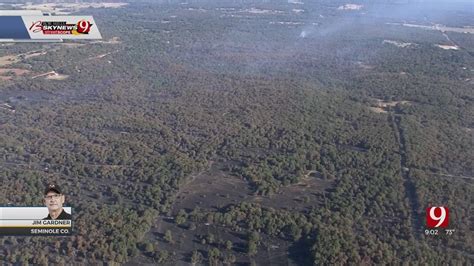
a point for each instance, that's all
(245, 132)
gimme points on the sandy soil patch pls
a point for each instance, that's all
(438, 27)
(233, 16)
(285, 23)
(382, 106)
(113, 40)
(7, 107)
(72, 45)
(225, 9)
(254, 10)
(43, 74)
(350, 7)
(52, 75)
(378, 110)
(448, 47)
(11, 59)
(364, 66)
(385, 104)
(398, 44)
(99, 56)
(57, 76)
(30, 55)
(197, 9)
(296, 2)
(8, 60)
(16, 71)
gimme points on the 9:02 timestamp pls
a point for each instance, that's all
(435, 232)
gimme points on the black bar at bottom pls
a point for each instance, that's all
(35, 231)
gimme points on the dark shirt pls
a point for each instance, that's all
(62, 216)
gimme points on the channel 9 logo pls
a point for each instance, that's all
(437, 217)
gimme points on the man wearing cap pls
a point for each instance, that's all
(54, 200)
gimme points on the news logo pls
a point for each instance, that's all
(29, 26)
(61, 27)
(437, 217)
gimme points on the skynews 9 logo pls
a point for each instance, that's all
(437, 217)
(61, 27)
(437, 221)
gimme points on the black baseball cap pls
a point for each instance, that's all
(52, 187)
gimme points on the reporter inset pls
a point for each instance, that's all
(53, 219)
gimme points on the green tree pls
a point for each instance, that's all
(149, 247)
(230, 259)
(196, 257)
(254, 237)
(210, 238)
(181, 217)
(252, 248)
(168, 236)
(228, 245)
(214, 256)
(162, 256)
